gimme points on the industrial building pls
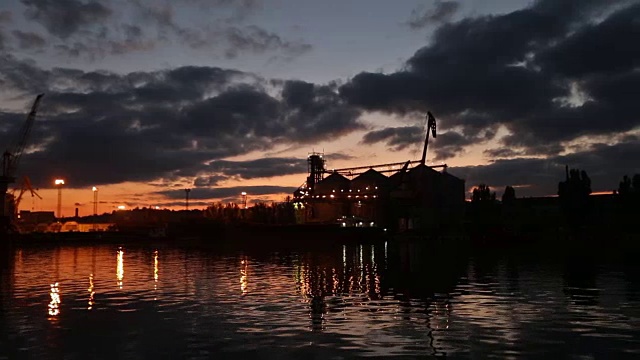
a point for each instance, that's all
(414, 196)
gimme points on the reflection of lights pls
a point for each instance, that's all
(344, 257)
(385, 254)
(243, 276)
(91, 292)
(155, 266)
(361, 267)
(54, 304)
(120, 267)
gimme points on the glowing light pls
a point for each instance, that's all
(54, 304)
(157, 207)
(91, 292)
(120, 267)
(243, 193)
(94, 189)
(332, 196)
(59, 182)
(121, 207)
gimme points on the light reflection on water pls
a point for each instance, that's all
(120, 267)
(352, 300)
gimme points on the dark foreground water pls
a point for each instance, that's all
(144, 302)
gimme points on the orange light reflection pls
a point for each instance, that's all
(54, 304)
(120, 267)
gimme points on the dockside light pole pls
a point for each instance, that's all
(95, 200)
(59, 183)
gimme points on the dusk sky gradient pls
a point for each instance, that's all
(147, 97)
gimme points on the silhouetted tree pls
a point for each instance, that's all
(483, 193)
(574, 195)
(484, 212)
(509, 195)
(629, 202)
(625, 186)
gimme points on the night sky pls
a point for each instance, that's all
(147, 97)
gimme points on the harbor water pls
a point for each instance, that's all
(164, 301)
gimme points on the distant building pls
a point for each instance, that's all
(74, 226)
(426, 198)
(419, 197)
(26, 216)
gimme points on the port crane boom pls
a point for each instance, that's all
(11, 160)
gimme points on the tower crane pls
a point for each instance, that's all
(11, 160)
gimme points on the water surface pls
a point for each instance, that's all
(158, 301)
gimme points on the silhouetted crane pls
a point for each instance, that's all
(25, 185)
(11, 160)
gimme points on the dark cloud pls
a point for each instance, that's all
(440, 12)
(315, 111)
(229, 192)
(91, 29)
(538, 71)
(6, 16)
(260, 168)
(605, 164)
(397, 138)
(63, 18)
(501, 153)
(601, 48)
(239, 9)
(233, 39)
(259, 40)
(446, 145)
(211, 180)
(102, 128)
(29, 40)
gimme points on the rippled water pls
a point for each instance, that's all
(107, 301)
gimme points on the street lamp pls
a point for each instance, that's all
(59, 183)
(244, 200)
(95, 200)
